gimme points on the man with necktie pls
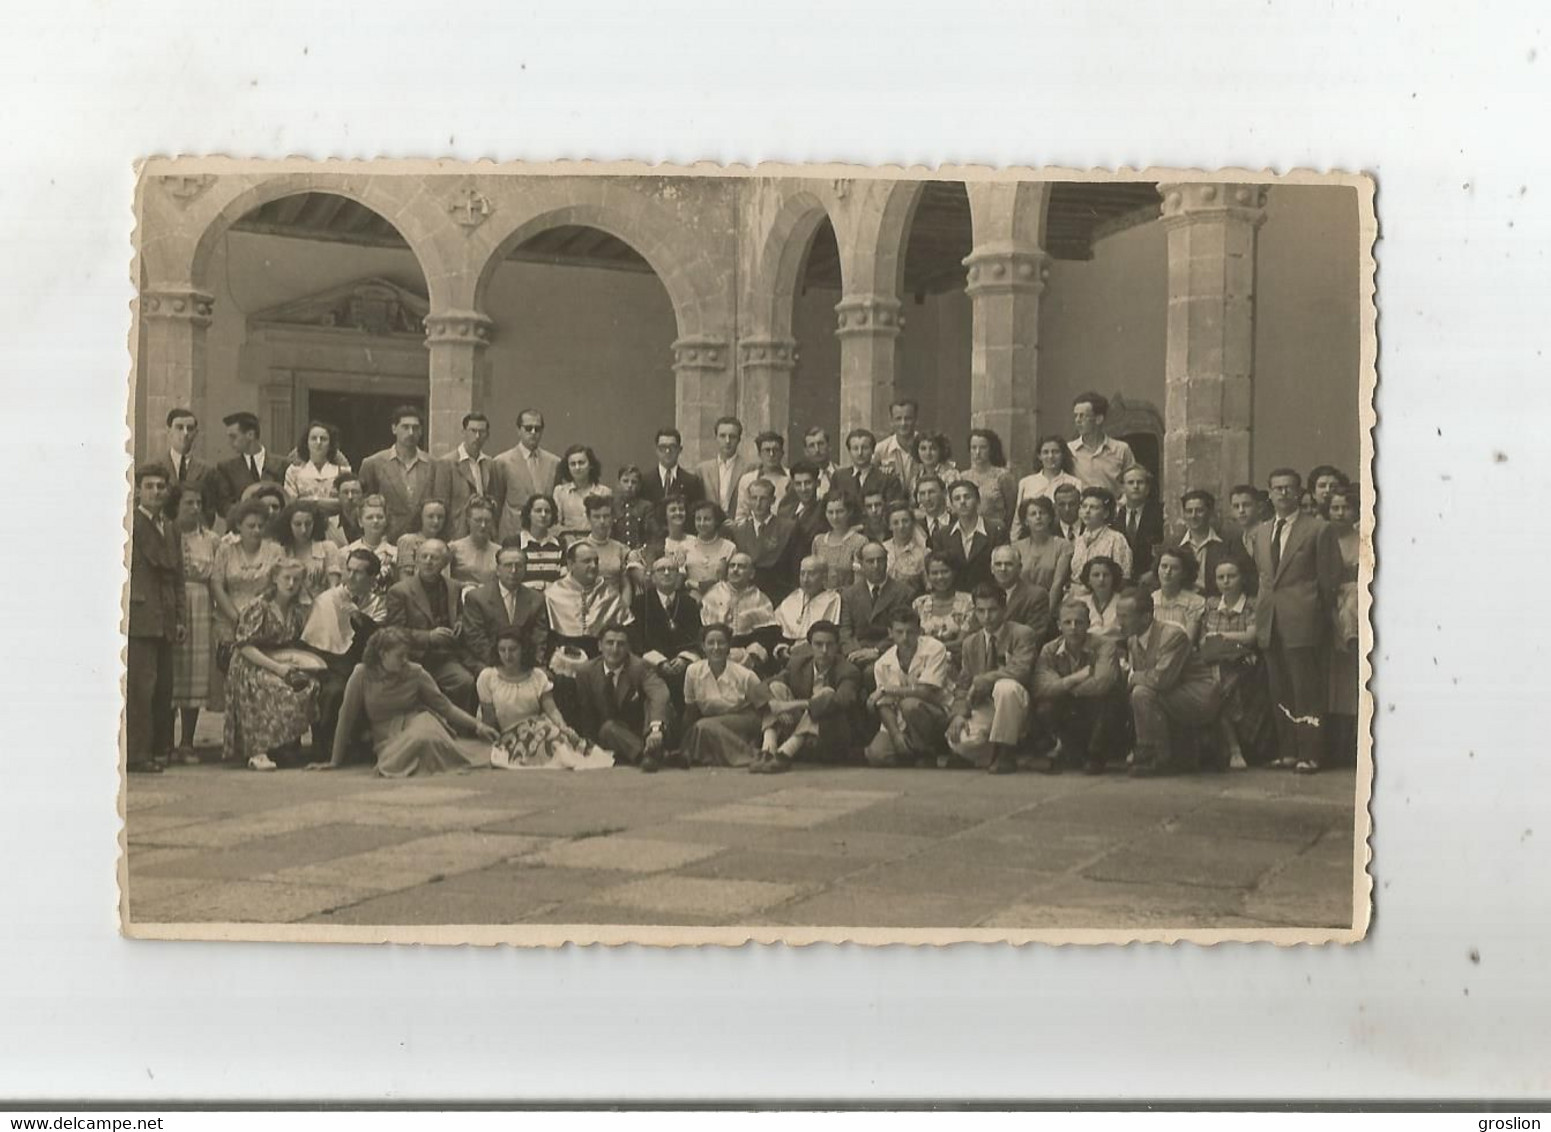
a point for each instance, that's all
(155, 624)
(499, 604)
(467, 472)
(522, 471)
(249, 465)
(623, 704)
(991, 709)
(667, 478)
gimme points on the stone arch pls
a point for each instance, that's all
(872, 244)
(1010, 212)
(780, 255)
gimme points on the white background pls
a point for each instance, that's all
(1446, 104)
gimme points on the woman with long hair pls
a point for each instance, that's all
(516, 697)
(301, 531)
(947, 613)
(934, 457)
(272, 686)
(1046, 556)
(581, 475)
(987, 470)
(1101, 579)
(430, 523)
(193, 658)
(412, 723)
(1055, 469)
(1176, 600)
(315, 472)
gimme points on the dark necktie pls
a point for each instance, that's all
(1131, 523)
(182, 468)
(991, 662)
(1276, 545)
(253, 467)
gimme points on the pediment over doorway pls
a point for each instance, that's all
(372, 306)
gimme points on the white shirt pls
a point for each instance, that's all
(724, 469)
(476, 465)
(968, 537)
(929, 665)
(256, 461)
(778, 480)
(175, 461)
(798, 612)
(308, 481)
(1287, 526)
(508, 598)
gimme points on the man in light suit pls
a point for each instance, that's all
(427, 605)
(767, 539)
(249, 466)
(720, 474)
(468, 472)
(404, 474)
(499, 604)
(623, 703)
(1169, 687)
(155, 624)
(185, 469)
(667, 478)
(522, 471)
(991, 710)
(1298, 560)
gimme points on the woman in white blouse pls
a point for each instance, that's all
(313, 475)
(1055, 469)
(724, 705)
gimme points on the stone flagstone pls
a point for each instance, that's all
(728, 900)
(636, 855)
(411, 862)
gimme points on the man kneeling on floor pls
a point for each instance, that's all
(912, 696)
(813, 704)
(624, 704)
(1078, 694)
(991, 710)
(1173, 694)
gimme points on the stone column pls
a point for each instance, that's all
(765, 368)
(1005, 280)
(868, 327)
(1209, 359)
(705, 389)
(457, 341)
(174, 320)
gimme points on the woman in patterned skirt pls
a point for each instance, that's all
(517, 698)
(193, 658)
(244, 560)
(411, 720)
(1228, 644)
(271, 691)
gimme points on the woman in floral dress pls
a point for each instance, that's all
(946, 613)
(271, 694)
(517, 698)
(239, 578)
(193, 658)
(301, 530)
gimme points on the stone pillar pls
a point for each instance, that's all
(1209, 359)
(174, 321)
(765, 383)
(1005, 281)
(705, 389)
(457, 341)
(868, 327)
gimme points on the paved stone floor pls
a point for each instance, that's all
(819, 847)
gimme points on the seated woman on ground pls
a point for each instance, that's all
(1102, 579)
(1246, 727)
(1176, 601)
(410, 719)
(430, 523)
(724, 705)
(301, 530)
(272, 687)
(517, 698)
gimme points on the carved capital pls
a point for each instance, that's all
(470, 208)
(1002, 268)
(184, 188)
(876, 315)
(700, 352)
(464, 328)
(769, 353)
(1191, 202)
(178, 304)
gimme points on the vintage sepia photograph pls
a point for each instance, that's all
(545, 553)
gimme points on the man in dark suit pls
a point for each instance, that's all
(1140, 518)
(867, 605)
(665, 627)
(183, 468)
(469, 472)
(815, 704)
(155, 624)
(667, 478)
(767, 539)
(801, 505)
(969, 542)
(426, 604)
(249, 466)
(498, 604)
(1027, 603)
(624, 704)
(1298, 560)
(863, 477)
(1068, 501)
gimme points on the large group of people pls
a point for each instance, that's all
(519, 610)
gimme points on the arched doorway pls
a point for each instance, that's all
(584, 333)
(935, 340)
(318, 315)
(815, 392)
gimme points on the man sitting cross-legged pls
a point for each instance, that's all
(992, 708)
(1078, 693)
(623, 704)
(813, 704)
(1171, 690)
(911, 702)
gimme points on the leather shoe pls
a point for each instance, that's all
(144, 767)
(1004, 762)
(649, 764)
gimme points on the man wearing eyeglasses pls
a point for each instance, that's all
(667, 478)
(522, 471)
